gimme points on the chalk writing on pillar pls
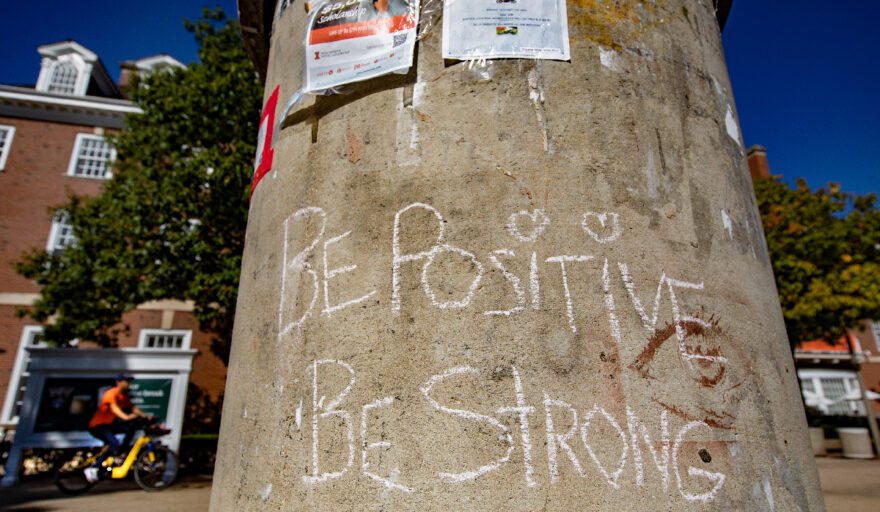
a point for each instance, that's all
(514, 281)
(296, 266)
(602, 233)
(329, 410)
(636, 428)
(523, 412)
(426, 285)
(629, 432)
(556, 441)
(539, 222)
(562, 260)
(482, 470)
(329, 274)
(585, 427)
(367, 446)
(296, 307)
(420, 256)
(716, 478)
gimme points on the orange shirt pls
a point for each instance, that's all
(104, 415)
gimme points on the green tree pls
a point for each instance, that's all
(171, 222)
(824, 249)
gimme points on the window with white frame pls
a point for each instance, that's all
(63, 78)
(92, 156)
(164, 339)
(6, 134)
(30, 337)
(61, 234)
(832, 391)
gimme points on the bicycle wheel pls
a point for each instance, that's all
(155, 468)
(70, 476)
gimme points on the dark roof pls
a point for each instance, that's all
(722, 11)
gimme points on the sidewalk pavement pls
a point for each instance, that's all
(849, 485)
(189, 493)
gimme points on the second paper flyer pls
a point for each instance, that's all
(485, 29)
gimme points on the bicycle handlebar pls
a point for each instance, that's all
(149, 426)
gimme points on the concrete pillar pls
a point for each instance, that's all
(544, 289)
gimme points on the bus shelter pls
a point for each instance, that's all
(65, 386)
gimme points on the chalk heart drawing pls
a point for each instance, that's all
(605, 232)
(537, 220)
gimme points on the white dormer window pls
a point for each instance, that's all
(67, 68)
(63, 78)
(91, 158)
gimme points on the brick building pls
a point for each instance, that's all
(52, 143)
(829, 371)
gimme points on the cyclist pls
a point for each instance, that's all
(114, 414)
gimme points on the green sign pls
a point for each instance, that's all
(151, 396)
(67, 404)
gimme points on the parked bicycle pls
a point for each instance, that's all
(154, 464)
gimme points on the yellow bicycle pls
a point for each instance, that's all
(154, 464)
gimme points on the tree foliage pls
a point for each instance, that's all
(824, 249)
(170, 224)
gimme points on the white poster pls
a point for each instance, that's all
(353, 40)
(486, 29)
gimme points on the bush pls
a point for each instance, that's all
(198, 453)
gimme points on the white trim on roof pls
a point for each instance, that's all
(54, 50)
(157, 62)
(86, 102)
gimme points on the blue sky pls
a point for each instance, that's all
(805, 80)
(117, 30)
(804, 73)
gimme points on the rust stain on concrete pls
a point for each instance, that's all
(643, 361)
(504, 171)
(353, 145)
(712, 418)
(703, 339)
(525, 189)
(615, 24)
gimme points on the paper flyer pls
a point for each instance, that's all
(486, 29)
(353, 40)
